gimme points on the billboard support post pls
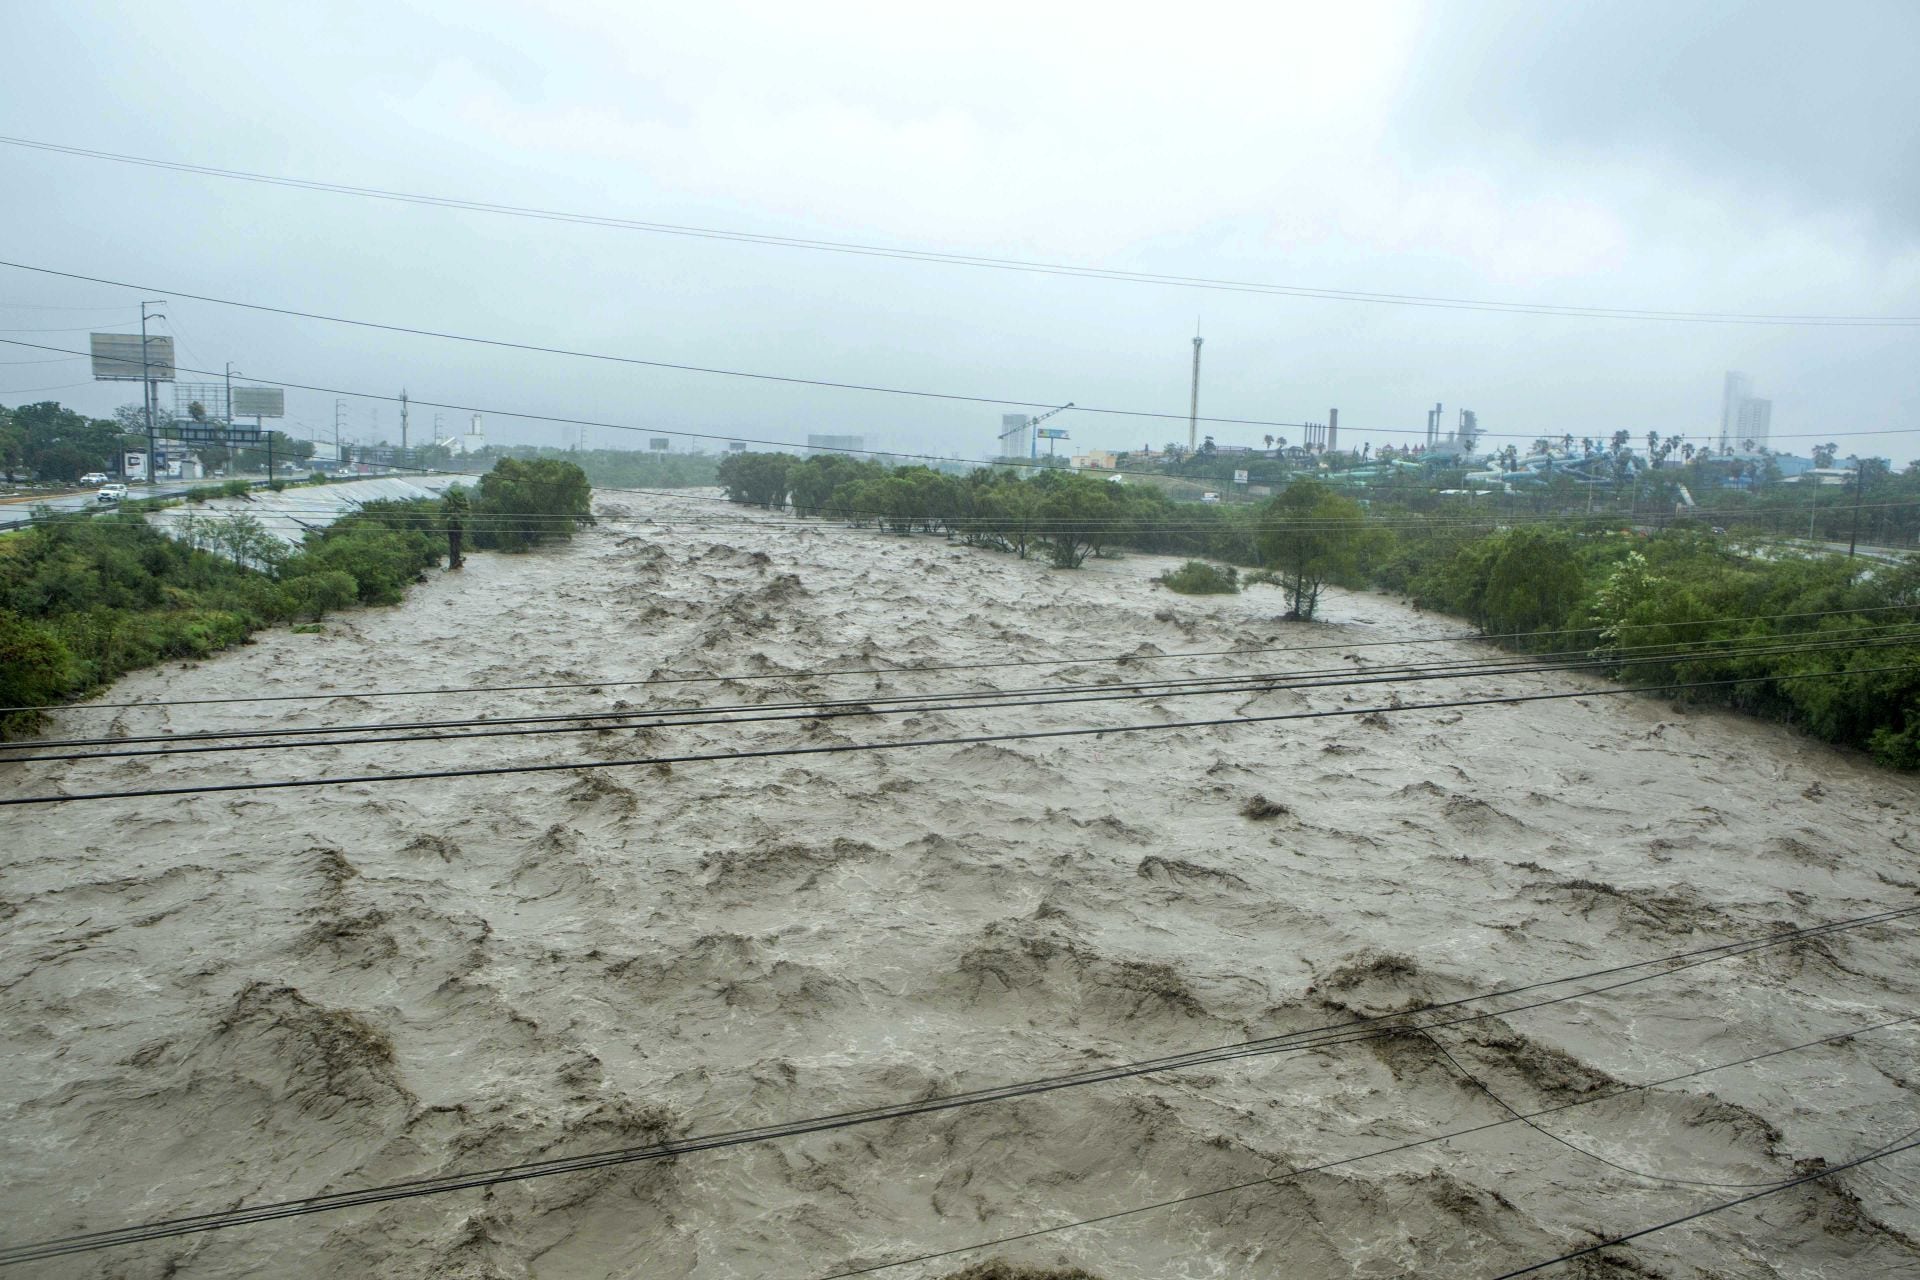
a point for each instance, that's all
(114, 361)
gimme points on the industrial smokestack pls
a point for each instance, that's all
(1333, 430)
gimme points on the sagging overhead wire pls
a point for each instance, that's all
(785, 445)
(1880, 1153)
(838, 673)
(1278, 1179)
(284, 784)
(635, 719)
(954, 259)
(1330, 1035)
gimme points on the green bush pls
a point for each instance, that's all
(316, 594)
(520, 504)
(36, 669)
(1198, 578)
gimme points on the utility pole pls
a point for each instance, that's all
(1193, 408)
(403, 424)
(1859, 493)
(226, 435)
(146, 381)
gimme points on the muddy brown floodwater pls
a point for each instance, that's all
(227, 999)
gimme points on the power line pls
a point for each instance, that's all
(969, 260)
(1277, 1179)
(1330, 1035)
(916, 743)
(607, 357)
(636, 719)
(822, 383)
(1570, 1145)
(1815, 1176)
(824, 674)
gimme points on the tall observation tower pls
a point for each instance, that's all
(1193, 409)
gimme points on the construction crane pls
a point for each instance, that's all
(1033, 431)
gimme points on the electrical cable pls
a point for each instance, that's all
(309, 736)
(1828, 1172)
(824, 674)
(1024, 463)
(1570, 1145)
(1289, 1175)
(910, 744)
(1352, 1031)
(1737, 646)
(969, 260)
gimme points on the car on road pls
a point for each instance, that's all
(112, 493)
(94, 477)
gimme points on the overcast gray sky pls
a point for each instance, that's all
(1698, 156)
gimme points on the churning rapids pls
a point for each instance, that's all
(228, 999)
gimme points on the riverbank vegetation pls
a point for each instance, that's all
(1823, 642)
(86, 598)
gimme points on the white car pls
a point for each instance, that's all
(112, 493)
(94, 477)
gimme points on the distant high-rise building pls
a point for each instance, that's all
(1754, 424)
(1016, 435)
(835, 444)
(1737, 390)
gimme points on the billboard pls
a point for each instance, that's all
(736, 446)
(211, 433)
(1239, 477)
(259, 402)
(134, 466)
(1053, 433)
(658, 443)
(116, 358)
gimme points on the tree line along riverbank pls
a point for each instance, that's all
(1828, 644)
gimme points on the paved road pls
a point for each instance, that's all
(15, 514)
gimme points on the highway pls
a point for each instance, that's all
(16, 513)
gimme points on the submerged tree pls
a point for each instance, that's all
(1310, 536)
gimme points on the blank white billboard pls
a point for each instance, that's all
(116, 358)
(259, 402)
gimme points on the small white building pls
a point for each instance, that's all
(473, 442)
